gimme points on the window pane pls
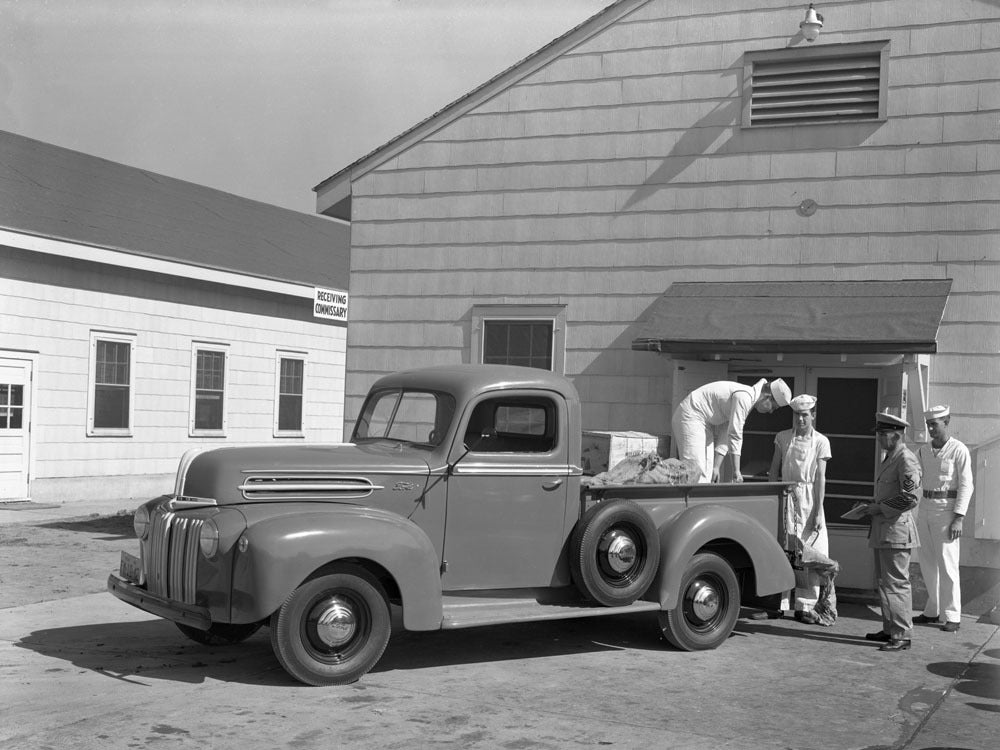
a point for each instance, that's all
(16, 395)
(4, 394)
(524, 343)
(112, 363)
(208, 410)
(111, 407)
(291, 376)
(211, 370)
(290, 412)
(16, 416)
(860, 394)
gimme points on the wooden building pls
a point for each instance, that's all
(143, 316)
(678, 191)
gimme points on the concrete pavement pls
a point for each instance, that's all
(90, 672)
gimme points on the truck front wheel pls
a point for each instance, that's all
(708, 607)
(333, 628)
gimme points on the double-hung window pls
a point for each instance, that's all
(289, 394)
(110, 406)
(210, 377)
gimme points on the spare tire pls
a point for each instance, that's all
(614, 553)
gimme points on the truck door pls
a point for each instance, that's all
(507, 496)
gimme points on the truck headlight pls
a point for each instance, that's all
(209, 539)
(140, 522)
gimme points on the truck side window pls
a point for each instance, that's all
(512, 425)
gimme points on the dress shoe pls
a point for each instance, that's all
(768, 614)
(925, 620)
(895, 644)
(950, 627)
(880, 636)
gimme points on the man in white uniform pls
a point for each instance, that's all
(947, 487)
(714, 415)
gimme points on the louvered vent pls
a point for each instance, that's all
(816, 89)
(305, 486)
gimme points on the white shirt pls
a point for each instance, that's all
(947, 468)
(724, 402)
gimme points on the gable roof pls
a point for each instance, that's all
(334, 193)
(62, 198)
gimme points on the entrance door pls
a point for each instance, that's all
(15, 435)
(845, 412)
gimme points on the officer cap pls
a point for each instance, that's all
(937, 412)
(781, 393)
(803, 402)
(888, 422)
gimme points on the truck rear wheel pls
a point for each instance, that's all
(614, 553)
(220, 634)
(333, 628)
(708, 607)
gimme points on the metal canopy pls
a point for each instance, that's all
(826, 317)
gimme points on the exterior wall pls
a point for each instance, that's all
(620, 168)
(51, 306)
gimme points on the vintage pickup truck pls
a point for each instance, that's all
(458, 502)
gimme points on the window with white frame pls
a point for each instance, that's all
(525, 335)
(831, 83)
(210, 375)
(110, 406)
(289, 393)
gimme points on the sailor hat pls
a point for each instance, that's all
(780, 392)
(937, 412)
(803, 402)
(889, 423)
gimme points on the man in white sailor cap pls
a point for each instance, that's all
(714, 414)
(893, 533)
(946, 469)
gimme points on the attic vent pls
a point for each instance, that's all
(831, 84)
(305, 486)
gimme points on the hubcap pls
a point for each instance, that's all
(334, 621)
(618, 549)
(703, 600)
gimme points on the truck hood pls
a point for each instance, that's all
(383, 474)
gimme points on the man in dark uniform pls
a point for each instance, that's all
(893, 532)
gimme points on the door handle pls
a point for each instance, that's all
(555, 483)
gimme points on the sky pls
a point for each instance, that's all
(260, 98)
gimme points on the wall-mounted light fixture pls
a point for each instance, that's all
(811, 26)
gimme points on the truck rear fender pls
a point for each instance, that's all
(285, 550)
(699, 527)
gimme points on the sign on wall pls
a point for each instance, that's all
(330, 304)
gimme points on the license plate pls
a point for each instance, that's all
(131, 568)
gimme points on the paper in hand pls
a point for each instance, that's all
(856, 513)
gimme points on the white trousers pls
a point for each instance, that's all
(939, 561)
(695, 441)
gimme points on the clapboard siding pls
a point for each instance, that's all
(49, 316)
(620, 167)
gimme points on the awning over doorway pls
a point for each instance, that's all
(827, 317)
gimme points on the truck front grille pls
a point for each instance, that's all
(172, 556)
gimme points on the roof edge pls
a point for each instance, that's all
(506, 78)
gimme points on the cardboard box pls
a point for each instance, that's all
(603, 449)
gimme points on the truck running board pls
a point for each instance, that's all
(469, 610)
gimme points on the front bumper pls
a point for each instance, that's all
(186, 614)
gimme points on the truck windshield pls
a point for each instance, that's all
(417, 417)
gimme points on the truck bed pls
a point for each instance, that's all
(471, 609)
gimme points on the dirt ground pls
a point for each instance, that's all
(49, 560)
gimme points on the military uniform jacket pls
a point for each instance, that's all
(896, 488)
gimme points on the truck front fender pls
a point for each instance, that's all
(284, 550)
(695, 527)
